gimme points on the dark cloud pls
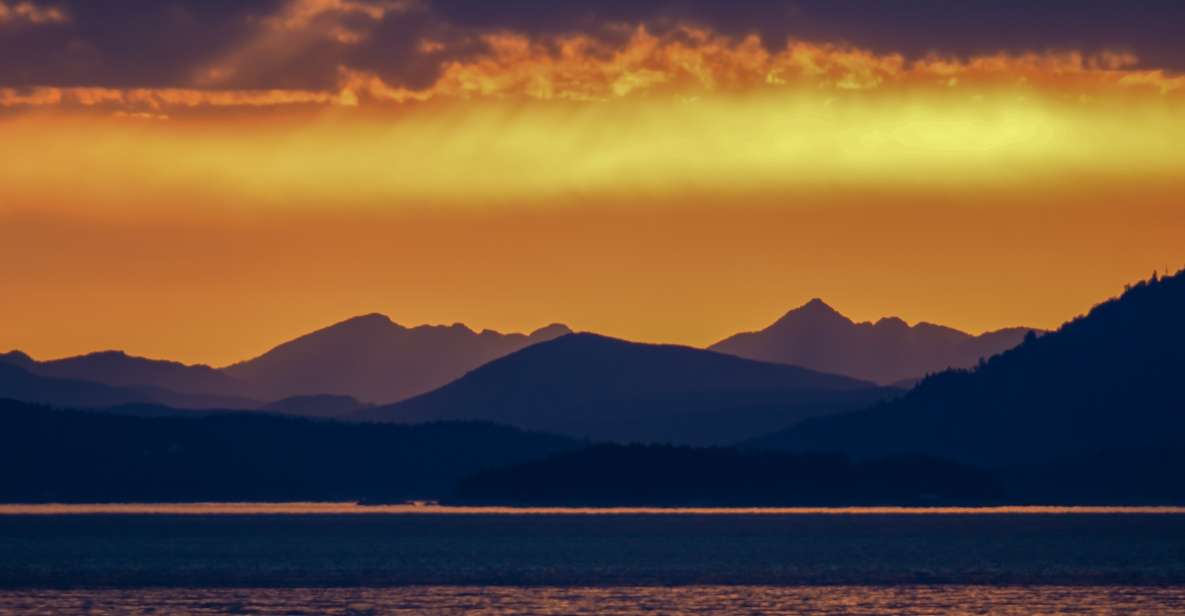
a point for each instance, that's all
(1152, 29)
(154, 43)
(130, 43)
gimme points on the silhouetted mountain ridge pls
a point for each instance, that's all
(123, 370)
(114, 377)
(374, 359)
(368, 357)
(17, 358)
(817, 336)
(1106, 381)
(20, 384)
(603, 388)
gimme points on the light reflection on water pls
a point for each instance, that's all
(411, 509)
(853, 600)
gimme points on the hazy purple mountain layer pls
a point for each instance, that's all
(375, 360)
(889, 351)
(17, 382)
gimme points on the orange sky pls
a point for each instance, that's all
(670, 190)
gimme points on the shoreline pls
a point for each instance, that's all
(353, 508)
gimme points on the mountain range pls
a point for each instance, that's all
(370, 368)
(1107, 381)
(366, 359)
(118, 369)
(601, 388)
(376, 360)
(19, 383)
(1092, 413)
(889, 351)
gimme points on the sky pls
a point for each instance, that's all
(203, 179)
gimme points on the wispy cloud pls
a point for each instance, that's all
(301, 27)
(30, 13)
(300, 14)
(159, 98)
(684, 63)
(690, 62)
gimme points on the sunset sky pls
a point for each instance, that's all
(200, 180)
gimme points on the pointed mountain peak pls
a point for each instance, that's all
(814, 309)
(817, 305)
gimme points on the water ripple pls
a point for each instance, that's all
(723, 600)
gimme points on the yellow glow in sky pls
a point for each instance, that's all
(557, 154)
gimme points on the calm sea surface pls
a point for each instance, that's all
(726, 600)
(342, 559)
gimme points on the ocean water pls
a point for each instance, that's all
(722, 600)
(327, 559)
